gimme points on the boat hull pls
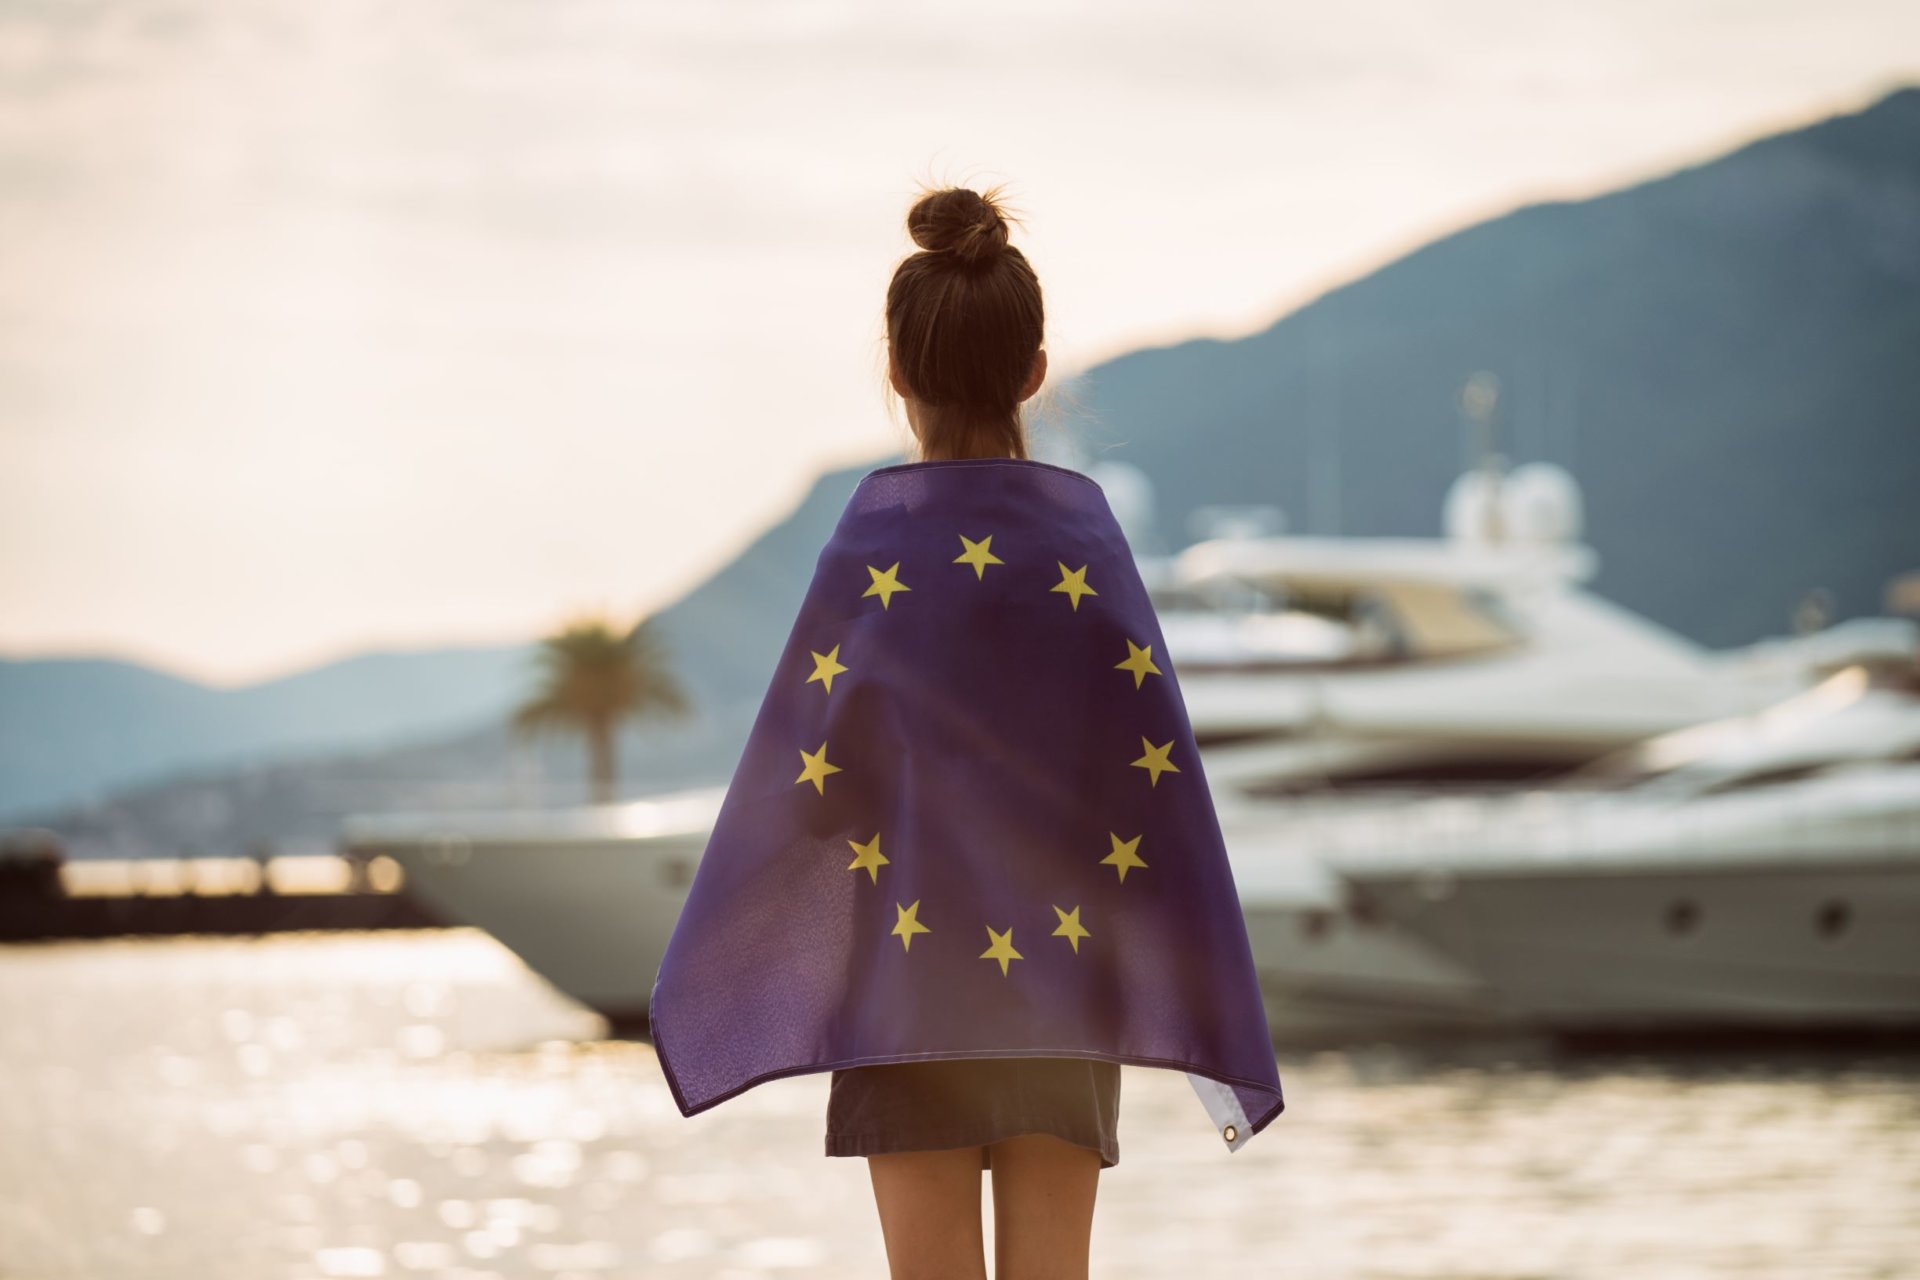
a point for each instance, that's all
(1722, 946)
(593, 918)
(590, 916)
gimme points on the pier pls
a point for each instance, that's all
(47, 896)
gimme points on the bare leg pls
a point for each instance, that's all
(1043, 1189)
(929, 1205)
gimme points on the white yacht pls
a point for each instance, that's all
(1477, 656)
(1331, 681)
(1757, 872)
(1310, 667)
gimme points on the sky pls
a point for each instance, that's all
(335, 327)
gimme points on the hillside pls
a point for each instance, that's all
(1727, 358)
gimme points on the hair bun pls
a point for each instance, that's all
(959, 222)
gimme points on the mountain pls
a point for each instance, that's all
(124, 760)
(74, 729)
(1726, 358)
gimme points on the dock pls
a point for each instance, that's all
(47, 896)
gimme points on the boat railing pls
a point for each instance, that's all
(1858, 813)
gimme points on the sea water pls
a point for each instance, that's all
(420, 1104)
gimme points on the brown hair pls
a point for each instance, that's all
(964, 323)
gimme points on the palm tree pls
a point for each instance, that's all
(591, 678)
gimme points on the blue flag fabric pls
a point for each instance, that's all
(970, 819)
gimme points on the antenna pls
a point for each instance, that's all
(1479, 397)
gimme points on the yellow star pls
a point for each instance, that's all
(1074, 583)
(1001, 949)
(1155, 762)
(870, 857)
(826, 666)
(1122, 857)
(1139, 661)
(884, 584)
(978, 555)
(906, 926)
(816, 769)
(1070, 928)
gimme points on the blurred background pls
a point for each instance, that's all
(417, 427)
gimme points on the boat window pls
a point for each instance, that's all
(1518, 772)
(1760, 778)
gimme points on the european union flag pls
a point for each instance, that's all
(970, 820)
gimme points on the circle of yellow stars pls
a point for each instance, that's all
(1123, 855)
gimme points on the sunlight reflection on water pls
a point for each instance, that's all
(421, 1104)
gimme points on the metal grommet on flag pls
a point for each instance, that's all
(1229, 1133)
